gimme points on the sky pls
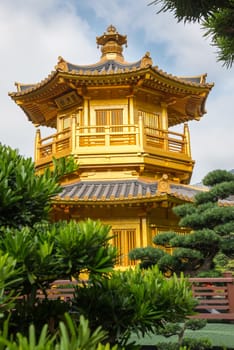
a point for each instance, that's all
(34, 33)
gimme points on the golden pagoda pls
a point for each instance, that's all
(116, 119)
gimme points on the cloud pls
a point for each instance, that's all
(32, 42)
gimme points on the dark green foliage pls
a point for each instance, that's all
(25, 196)
(34, 253)
(192, 10)
(217, 176)
(220, 28)
(84, 246)
(148, 256)
(71, 336)
(133, 301)
(63, 166)
(9, 281)
(50, 251)
(38, 312)
(211, 221)
(212, 225)
(216, 17)
(164, 239)
(47, 252)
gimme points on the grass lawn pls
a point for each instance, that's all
(221, 334)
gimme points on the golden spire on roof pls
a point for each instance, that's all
(112, 42)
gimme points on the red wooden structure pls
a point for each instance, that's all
(215, 296)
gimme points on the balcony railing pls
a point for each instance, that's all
(115, 135)
(166, 140)
(56, 145)
(111, 139)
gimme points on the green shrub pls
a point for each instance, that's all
(69, 337)
(133, 301)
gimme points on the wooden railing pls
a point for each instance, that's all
(166, 140)
(215, 296)
(56, 145)
(80, 139)
(115, 135)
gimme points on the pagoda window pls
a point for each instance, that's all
(124, 240)
(109, 117)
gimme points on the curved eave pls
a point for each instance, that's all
(175, 198)
(121, 201)
(187, 81)
(32, 87)
(38, 101)
(174, 89)
(92, 76)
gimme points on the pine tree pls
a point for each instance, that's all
(211, 220)
(215, 16)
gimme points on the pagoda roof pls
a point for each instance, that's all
(111, 68)
(136, 191)
(114, 191)
(40, 101)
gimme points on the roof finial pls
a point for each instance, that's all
(111, 43)
(111, 29)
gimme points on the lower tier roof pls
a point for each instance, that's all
(124, 190)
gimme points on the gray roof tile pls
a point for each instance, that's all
(127, 189)
(121, 189)
(107, 66)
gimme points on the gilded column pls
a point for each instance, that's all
(144, 231)
(37, 145)
(86, 111)
(142, 141)
(131, 110)
(187, 147)
(73, 141)
(164, 124)
(164, 119)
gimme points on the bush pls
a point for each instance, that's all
(70, 337)
(133, 301)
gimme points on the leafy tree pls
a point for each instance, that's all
(216, 17)
(170, 329)
(61, 250)
(24, 195)
(211, 220)
(34, 253)
(48, 252)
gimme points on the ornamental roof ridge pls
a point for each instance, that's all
(101, 66)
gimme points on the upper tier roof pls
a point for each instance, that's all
(110, 67)
(39, 100)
